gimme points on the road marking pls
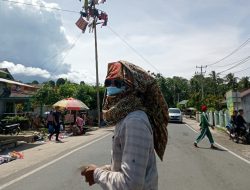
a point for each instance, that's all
(49, 163)
(231, 152)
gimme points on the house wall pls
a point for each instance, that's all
(233, 101)
(246, 107)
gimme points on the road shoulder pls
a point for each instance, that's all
(42, 153)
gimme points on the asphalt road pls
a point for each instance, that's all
(184, 167)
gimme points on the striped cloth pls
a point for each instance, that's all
(133, 158)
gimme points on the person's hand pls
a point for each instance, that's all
(212, 127)
(88, 172)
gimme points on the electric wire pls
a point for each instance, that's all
(72, 46)
(65, 10)
(242, 70)
(240, 63)
(232, 63)
(234, 51)
(140, 55)
(41, 6)
(65, 49)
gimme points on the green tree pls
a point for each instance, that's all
(60, 81)
(35, 82)
(45, 96)
(52, 83)
(181, 89)
(231, 81)
(244, 83)
(166, 91)
(213, 101)
(214, 82)
(83, 95)
(67, 90)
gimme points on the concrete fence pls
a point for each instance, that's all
(216, 118)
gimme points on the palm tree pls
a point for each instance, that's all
(244, 83)
(214, 76)
(231, 81)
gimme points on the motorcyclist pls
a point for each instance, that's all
(232, 123)
(240, 124)
(233, 118)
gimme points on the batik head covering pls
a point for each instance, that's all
(142, 93)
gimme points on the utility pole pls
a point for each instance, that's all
(89, 11)
(97, 74)
(201, 73)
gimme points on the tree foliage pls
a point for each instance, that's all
(212, 88)
(174, 89)
(50, 94)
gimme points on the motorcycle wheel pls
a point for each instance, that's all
(15, 131)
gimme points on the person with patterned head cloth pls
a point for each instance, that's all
(204, 124)
(135, 105)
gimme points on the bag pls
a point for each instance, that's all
(51, 129)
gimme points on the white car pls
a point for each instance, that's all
(175, 115)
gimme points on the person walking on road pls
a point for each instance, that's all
(56, 124)
(49, 119)
(204, 125)
(135, 105)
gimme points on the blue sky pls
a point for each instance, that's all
(170, 37)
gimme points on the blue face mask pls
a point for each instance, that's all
(112, 90)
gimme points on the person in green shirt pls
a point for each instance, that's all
(204, 124)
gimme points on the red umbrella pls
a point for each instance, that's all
(71, 104)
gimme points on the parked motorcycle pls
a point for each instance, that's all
(243, 134)
(13, 129)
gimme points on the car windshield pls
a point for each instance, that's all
(174, 111)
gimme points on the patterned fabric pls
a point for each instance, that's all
(142, 93)
(133, 158)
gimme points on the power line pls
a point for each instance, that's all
(233, 62)
(65, 49)
(140, 55)
(69, 50)
(244, 61)
(41, 6)
(65, 10)
(242, 70)
(73, 45)
(234, 51)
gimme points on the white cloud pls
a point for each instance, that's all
(32, 36)
(77, 76)
(22, 70)
(37, 73)
(174, 36)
